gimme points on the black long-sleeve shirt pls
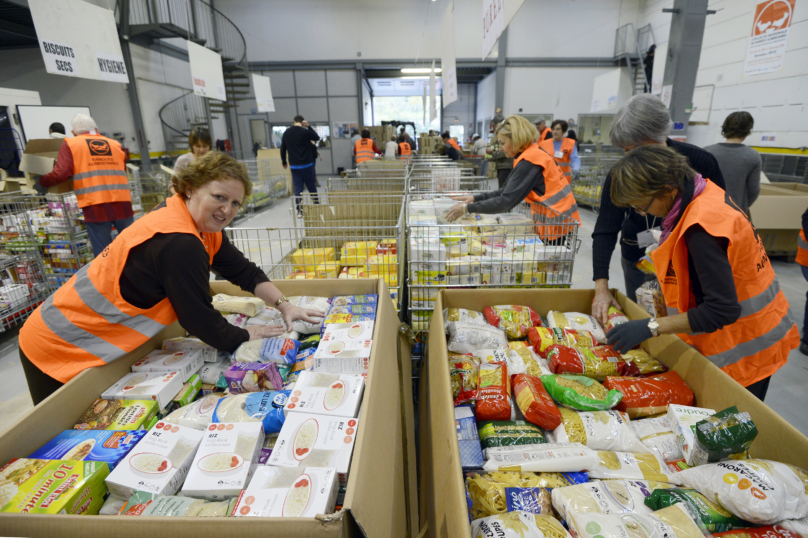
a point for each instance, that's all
(525, 177)
(613, 220)
(296, 141)
(176, 266)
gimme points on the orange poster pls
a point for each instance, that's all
(767, 42)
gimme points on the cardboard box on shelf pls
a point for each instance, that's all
(382, 485)
(443, 499)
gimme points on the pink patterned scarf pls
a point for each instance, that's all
(673, 215)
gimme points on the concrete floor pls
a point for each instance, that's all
(788, 392)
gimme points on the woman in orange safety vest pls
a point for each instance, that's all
(535, 179)
(721, 292)
(563, 151)
(154, 273)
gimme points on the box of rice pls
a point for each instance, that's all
(289, 492)
(158, 463)
(225, 460)
(326, 394)
(347, 332)
(90, 445)
(160, 387)
(118, 415)
(187, 362)
(316, 441)
(209, 353)
(35, 486)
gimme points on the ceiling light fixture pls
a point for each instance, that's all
(418, 78)
(416, 70)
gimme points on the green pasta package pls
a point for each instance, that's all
(509, 433)
(580, 393)
(714, 516)
(726, 435)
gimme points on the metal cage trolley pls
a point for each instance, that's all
(594, 169)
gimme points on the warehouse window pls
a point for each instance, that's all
(409, 108)
(456, 131)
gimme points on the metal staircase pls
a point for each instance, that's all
(201, 23)
(630, 46)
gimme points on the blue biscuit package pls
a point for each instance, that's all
(264, 406)
(90, 445)
(354, 309)
(471, 453)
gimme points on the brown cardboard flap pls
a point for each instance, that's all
(778, 209)
(47, 147)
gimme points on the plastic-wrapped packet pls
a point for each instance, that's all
(112, 506)
(656, 434)
(467, 338)
(497, 433)
(494, 395)
(580, 393)
(280, 350)
(237, 320)
(544, 458)
(577, 321)
(641, 363)
(249, 306)
(673, 522)
(323, 304)
(629, 466)
(197, 415)
(469, 317)
(515, 320)
(507, 492)
(464, 377)
(650, 297)
(150, 504)
(714, 517)
(518, 524)
(607, 497)
(615, 317)
(726, 435)
(212, 371)
(534, 402)
(596, 362)
(599, 430)
(515, 361)
(646, 396)
(784, 529)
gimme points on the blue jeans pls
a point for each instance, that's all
(101, 232)
(304, 178)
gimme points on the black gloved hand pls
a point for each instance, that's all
(39, 188)
(627, 336)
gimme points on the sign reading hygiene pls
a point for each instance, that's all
(112, 67)
(767, 44)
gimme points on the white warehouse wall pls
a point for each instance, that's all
(486, 102)
(777, 101)
(461, 112)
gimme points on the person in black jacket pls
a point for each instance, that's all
(642, 121)
(297, 141)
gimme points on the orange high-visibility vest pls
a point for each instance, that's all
(452, 143)
(543, 134)
(802, 249)
(99, 170)
(364, 150)
(87, 322)
(557, 206)
(404, 149)
(757, 344)
(563, 162)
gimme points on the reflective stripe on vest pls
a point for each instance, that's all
(364, 150)
(567, 145)
(404, 149)
(87, 322)
(758, 342)
(99, 174)
(802, 249)
(557, 206)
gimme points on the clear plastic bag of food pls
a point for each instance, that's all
(197, 415)
(468, 338)
(762, 492)
(494, 392)
(646, 396)
(514, 360)
(323, 304)
(656, 434)
(280, 350)
(464, 376)
(544, 458)
(630, 466)
(541, 338)
(714, 517)
(495, 433)
(142, 503)
(263, 407)
(518, 525)
(580, 393)
(577, 321)
(595, 362)
(650, 297)
(610, 497)
(534, 365)
(238, 305)
(726, 435)
(641, 363)
(461, 315)
(673, 522)
(534, 402)
(515, 320)
(784, 529)
(615, 317)
(599, 430)
(507, 492)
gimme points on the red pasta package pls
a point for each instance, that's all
(464, 374)
(515, 320)
(534, 402)
(494, 392)
(769, 531)
(542, 338)
(645, 396)
(596, 362)
(615, 317)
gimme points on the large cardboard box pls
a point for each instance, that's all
(39, 158)
(777, 215)
(790, 186)
(443, 502)
(381, 489)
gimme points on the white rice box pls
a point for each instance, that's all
(209, 353)
(422, 208)
(160, 387)
(326, 394)
(158, 464)
(442, 208)
(225, 460)
(341, 365)
(427, 250)
(348, 332)
(349, 349)
(289, 492)
(316, 441)
(682, 420)
(187, 363)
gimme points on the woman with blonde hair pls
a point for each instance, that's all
(721, 292)
(154, 273)
(535, 179)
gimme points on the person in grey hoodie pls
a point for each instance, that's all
(739, 163)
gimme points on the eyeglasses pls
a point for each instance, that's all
(644, 211)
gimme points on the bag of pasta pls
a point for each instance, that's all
(534, 402)
(577, 321)
(641, 363)
(534, 365)
(651, 299)
(781, 530)
(615, 317)
(798, 528)
(726, 435)
(646, 396)
(543, 458)
(656, 434)
(629, 466)
(541, 338)
(610, 497)
(515, 320)
(580, 393)
(468, 338)
(673, 522)
(516, 365)
(714, 517)
(509, 433)
(518, 525)
(595, 362)
(494, 392)
(599, 430)
(501, 492)
(463, 374)
(455, 315)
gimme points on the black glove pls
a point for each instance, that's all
(39, 188)
(629, 335)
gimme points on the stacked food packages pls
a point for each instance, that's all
(268, 431)
(561, 436)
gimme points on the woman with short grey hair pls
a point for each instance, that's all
(643, 121)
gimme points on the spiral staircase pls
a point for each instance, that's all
(197, 21)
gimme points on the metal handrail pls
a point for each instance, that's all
(621, 48)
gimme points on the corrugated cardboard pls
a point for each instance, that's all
(790, 186)
(777, 215)
(443, 503)
(39, 158)
(381, 487)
